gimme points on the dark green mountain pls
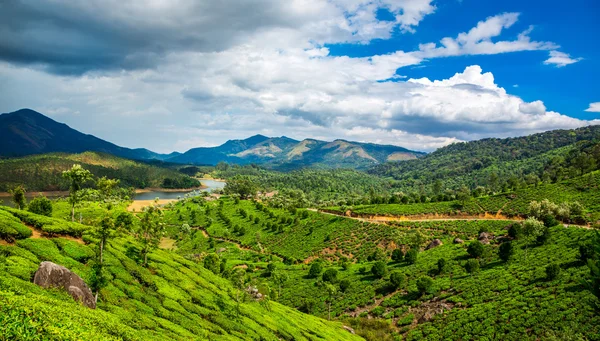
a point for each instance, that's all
(284, 153)
(27, 132)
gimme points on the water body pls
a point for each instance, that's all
(209, 184)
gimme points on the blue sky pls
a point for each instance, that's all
(416, 73)
(573, 25)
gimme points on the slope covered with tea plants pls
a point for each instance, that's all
(171, 298)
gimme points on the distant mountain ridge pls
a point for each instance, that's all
(27, 132)
(284, 153)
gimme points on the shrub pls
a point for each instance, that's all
(315, 269)
(475, 249)
(472, 266)
(397, 255)
(40, 205)
(424, 285)
(549, 220)
(411, 256)
(397, 279)
(379, 269)
(505, 251)
(515, 230)
(330, 275)
(441, 266)
(552, 271)
(344, 285)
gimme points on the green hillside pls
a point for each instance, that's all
(44, 172)
(174, 298)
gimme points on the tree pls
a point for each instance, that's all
(424, 285)
(18, 196)
(40, 205)
(150, 231)
(331, 292)
(397, 279)
(593, 262)
(505, 251)
(315, 269)
(124, 221)
(411, 256)
(475, 249)
(397, 255)
(552, 271)
(344, 285)
(472, 266)
(532, 229)
(77, 176)
(241, 186)
(279, 278)
(270, 269)
(330, 275)
(104, 232)
(213, 263)
(515, 231)
(379, 269)
(106, 186)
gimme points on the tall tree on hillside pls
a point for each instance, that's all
(593, 262)
(77, 175)
(150, 231)
(107, 186)
(104, 231)
(18, 196)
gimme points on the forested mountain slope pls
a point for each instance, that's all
(44, 172)
(551, 155)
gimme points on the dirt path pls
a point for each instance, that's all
(417, 218)
(377, 302)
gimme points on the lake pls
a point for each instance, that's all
(210, 185)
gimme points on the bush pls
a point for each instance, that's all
(549, 220)
(40, 205)
(515, 231)
(552, 271)
(411, 256)
(344, 285)
(424, 285)
(505, 251)
(397, 255)
(397, 279)
(544, 237)
(441, 265)
(475, 249)
(330, 275)
(379, 269)
(315, 270)
(472, 266)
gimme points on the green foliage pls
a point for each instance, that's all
(552, 271)
(379, 269)
(315, 269)
(424, 285)
(475, 249)
(397, 255)
(345, 284)
(472, 265)
(330, 275)
(411, 256)
(40, 205)
(48, 225)
(397, 279)
(505, 251)
(18, 196)
(12, 228)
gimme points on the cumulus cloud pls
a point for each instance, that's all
(181, 75)
(594, 107)
(561, 59)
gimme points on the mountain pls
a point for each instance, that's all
(494, 162)
(284, 153)
(26, 132)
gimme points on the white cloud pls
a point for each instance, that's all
(271, 74)
(561, 59)
(594, 107)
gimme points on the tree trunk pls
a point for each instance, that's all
(96, 297)
(73, 213)
(101, 250)
(329, 310)
(146, 258)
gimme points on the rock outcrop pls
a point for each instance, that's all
(50, 275)
(434, 243)
(458, 241)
